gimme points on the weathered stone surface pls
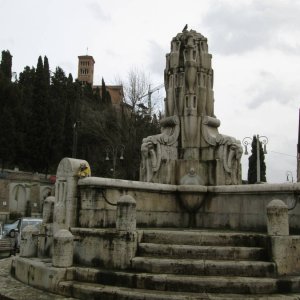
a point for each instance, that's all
(13, 289)
(190, 128)
(285, 253)
(202, 252)
(126, 214)
(63, 249)
(65, 209)
(108, 248)
(48, 209)
(240, 207)
(277, 218)
(29, 241)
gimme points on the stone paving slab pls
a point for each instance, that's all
(12, 289)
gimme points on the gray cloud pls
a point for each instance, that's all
(98, 12)
(157, 56)
(243, 26)
(268, 88)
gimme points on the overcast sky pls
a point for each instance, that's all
(255, 46)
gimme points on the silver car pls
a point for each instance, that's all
(14, 230)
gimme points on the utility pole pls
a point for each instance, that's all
(298, 151)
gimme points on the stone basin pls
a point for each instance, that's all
(192, 197)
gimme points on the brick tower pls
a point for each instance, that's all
(86, 69)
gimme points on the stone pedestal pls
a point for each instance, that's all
(63, 249)
(126, 214)
(29, 245)
(277, 218)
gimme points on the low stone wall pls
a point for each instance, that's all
(40, 274)
(107, 248)
(240, 207)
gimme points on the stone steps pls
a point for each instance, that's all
(202, 252)
(204, 267)
(188, 283)
(189, 264)
(204, 238)
(94, 291)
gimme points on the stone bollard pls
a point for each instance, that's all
(126, 214)
(277, 218)
(46, 237)
(28, 244)
(63, 248)
(48, 209)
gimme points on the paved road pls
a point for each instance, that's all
(12, 289)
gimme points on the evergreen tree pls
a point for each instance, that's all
(9, 100)
(69, 118)
(5, 66)
(38, 143)
(105, 96)
(252, 171)
(56, 115)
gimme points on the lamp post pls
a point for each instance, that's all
(289, 173)
(114, 151)
(260, 140)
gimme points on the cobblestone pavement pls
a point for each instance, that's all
(12, 289)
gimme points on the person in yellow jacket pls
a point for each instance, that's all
(84, 171)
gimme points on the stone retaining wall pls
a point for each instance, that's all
(240, 207)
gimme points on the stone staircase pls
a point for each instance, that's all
(189, 264)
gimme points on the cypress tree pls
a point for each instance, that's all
(252, 170)
(8, 111)
(39, 137)
(105, 96)
(6, 64)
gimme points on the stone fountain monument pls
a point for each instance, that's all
(105, 238)
(189, 143)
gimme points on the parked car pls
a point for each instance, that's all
(20, 224)
(14, 229)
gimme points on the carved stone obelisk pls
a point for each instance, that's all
(190, 137)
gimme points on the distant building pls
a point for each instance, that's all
(23, 194)
(116, 93)
(86, 75)
(86, 69)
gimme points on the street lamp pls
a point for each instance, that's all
(260, 139)
(114, 151)
(289, 173)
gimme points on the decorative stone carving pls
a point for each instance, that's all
(158, 148)
(230, 152)
(190, 101)
(65, 208)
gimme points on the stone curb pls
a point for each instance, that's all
(12, 289)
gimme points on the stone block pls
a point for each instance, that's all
(285, 253)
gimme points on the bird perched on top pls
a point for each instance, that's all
(185, 28)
